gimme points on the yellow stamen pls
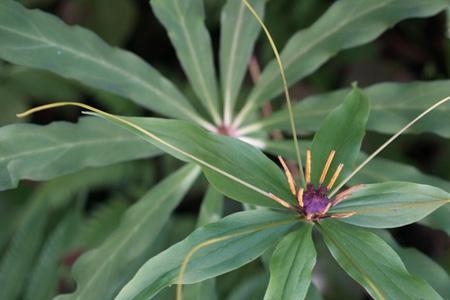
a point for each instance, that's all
(308, 166)
(335, 176)
(289, 176)
(300, 197)
(327, 166)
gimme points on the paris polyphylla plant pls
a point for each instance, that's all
(314, 200)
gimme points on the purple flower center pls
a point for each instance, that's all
(315, 200)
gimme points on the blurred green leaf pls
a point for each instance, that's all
(391, 204)
(291, 265)
(39, 40)
(212, 207)
(44, 152)
(100, 224)
(17, 262)
(44, 277)
(112, 20)
(392, 106)
(342, 130)
(100, 273)
(246, 235)
(11, 102)
(184, 22)
(249, 288)
(373, 264)
(439, 219)
(239, 30)
(345, 24)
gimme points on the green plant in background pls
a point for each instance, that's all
(235, 169)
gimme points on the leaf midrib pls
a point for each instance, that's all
(70, 145)
(105, 64)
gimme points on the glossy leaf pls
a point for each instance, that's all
(343, 131)
(184, 22)
(217, 154)
(291, 266)
(373, 264)
(44, 152)
(439, 219)
(101, 272)
(391, 204)
(246, 235)
(239, 31)
(345, 24)
(39, 40)
(392, 106)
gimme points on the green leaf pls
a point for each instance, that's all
(210, 211)
(18, 260)
(184, 22)
(346, 24)
(420, 265)
(392, 106)
(240, 238)
(39, 40)
(100, 273)
(113, 20)
(212, 207)
(343, 131)
(45, 276)
(391, 204)
(291, 265)
(439, 219)
(372, 263)
(239, 30)
(44, 152)
(249, 175)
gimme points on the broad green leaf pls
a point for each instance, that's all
(184, 22)
(239, 239)
(346, 24)
(244, 165)
(392, 106)
(291, 265)
(44, 152)
(250, 287)
(100, 273)
(373, 264)
(239, 30)
(391, 204)
(44, 278)
(342, 130)
(36, 39)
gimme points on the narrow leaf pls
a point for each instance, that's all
(44, 277)
(40, 40)
(392, 105)
(184, 22)
(239, 31)
(391, 204)
(44, 152)
(100, 273)
(342, 131)
(212, 207)
(373, 264)
(243, 237)
(291, 266)
(235, 168)
(345, 24)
